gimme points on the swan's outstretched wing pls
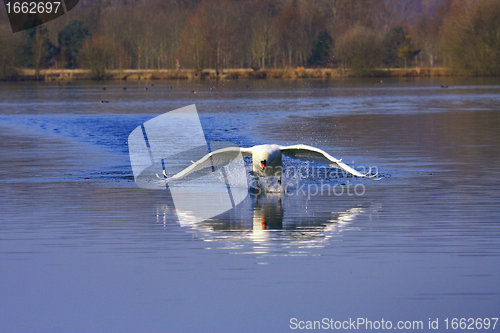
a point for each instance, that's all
(309, 153)
(216, 158)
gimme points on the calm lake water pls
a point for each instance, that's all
(84, 249)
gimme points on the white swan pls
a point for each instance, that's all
(266, 160)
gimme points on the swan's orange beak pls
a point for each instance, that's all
(262, 165)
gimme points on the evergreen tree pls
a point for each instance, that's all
(321, 49)
(398, 47)
(392, 42)
(71, 39)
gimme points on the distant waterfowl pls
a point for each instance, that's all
(124, 88)
(444, 86)
(194, 92)
(104, 101)
(104, 88)
(266, 160)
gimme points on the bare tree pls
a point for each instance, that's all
(97, 54)
(39, 47)
(166, 25)
(289, 22)
(264, 33)
(10, 47)
(219, 26)
(193, 43)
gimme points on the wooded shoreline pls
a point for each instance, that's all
(229, 74)
(153, 39)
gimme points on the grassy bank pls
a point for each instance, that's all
(229, 74)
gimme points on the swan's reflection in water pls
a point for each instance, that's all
(274, 224)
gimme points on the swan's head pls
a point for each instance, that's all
(263, 164)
